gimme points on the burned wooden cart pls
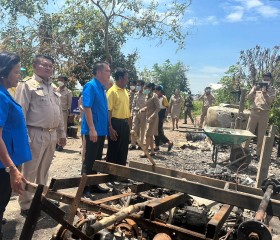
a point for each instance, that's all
(97, 220)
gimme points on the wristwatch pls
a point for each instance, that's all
(9, 168)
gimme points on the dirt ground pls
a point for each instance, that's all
(185, 156)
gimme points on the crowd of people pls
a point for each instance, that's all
(33, 122)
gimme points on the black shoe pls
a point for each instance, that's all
(132, 147)
(98, 189)
(170, 146)
(4, 221)
(59, 148)
(139, 148)
(89, 196)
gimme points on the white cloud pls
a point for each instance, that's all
(249, 10)
(268, 11)
(252, 3)
(235, 16)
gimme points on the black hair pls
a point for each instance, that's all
(120, 73)
(63, 77)
(133, 82)
(141, 82)
(159, 88)
(150, 85)
(98, 66)
(7, 62)
(42, 56)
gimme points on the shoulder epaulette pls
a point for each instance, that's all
(26, 79)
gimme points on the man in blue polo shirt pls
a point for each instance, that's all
(95, 120)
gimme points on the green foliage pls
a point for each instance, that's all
(170, 76)
(197, 106)
(83, 32)
(231, 86)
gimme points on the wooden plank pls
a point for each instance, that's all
(179, 233)
(199, 179)
(215, 224)
(75, 204)
(94, 179)
(32, 218)
(112, 198)
(140, 187)
(265, 156)
(52, 211)
(239, 199)
(162, 205)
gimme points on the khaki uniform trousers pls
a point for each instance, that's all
(139, 126)
(203, 115)
(258, 118)
(65, 119)
(42, 147)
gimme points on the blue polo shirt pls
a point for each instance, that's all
(14, 132)
(94, 97)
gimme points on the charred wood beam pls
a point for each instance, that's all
(199, 179)
(74, 206)
(156, 226)
(93, 179)
(158, 206)
(53, 212)
(239, 199)
(215, 224)
(32, 218)
(141, 187)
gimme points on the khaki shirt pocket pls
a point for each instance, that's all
(42, 98)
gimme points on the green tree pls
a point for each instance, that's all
(85, 31)
(170, 76)
(231, 86)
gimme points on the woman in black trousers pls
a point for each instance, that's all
(161, 116)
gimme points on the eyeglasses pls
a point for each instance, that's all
(46, 66)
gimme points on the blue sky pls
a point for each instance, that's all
(218, 31)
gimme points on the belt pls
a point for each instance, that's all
(120, 119)
(43, 129)
(257, 110)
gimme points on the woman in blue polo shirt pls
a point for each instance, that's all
(14, 144)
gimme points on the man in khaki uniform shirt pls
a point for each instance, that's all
(139, 118)
(41, 106)
(66, 102)
(261, 98)
(207, 101)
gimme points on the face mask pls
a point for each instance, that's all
(138, 88)
(60, 84)
(132, 88)
(146, 91)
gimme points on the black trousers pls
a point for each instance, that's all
(93, 151)
(117, 150)
(161, 137)
(5, 191)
